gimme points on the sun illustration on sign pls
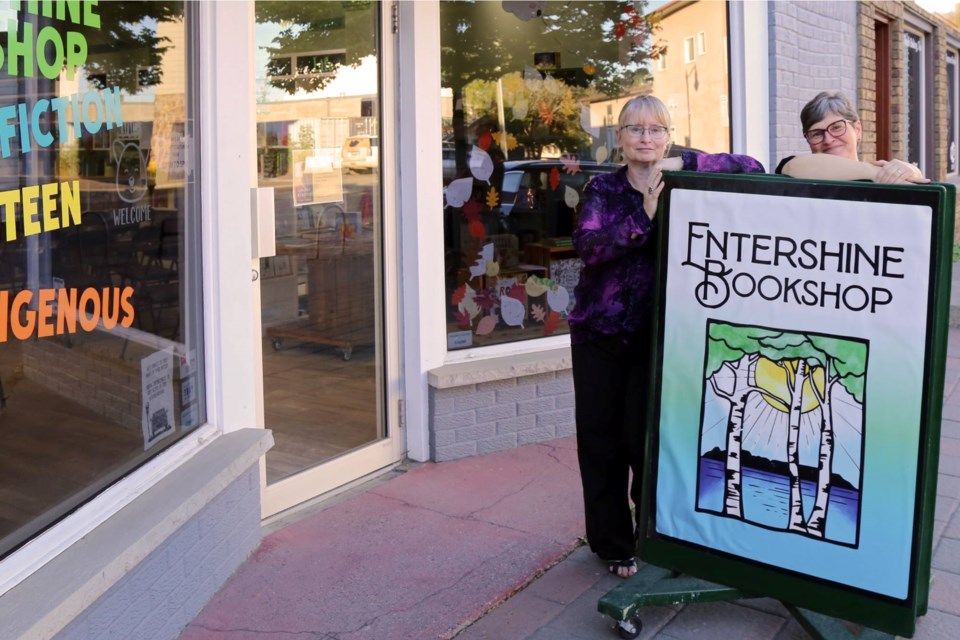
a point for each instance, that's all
(781, 437)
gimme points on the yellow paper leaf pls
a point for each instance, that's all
(512, 142)
(493, 198)
(493, 268)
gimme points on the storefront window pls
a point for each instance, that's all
(100, 328)
(952, 114)
(531, 93)
(914, 98)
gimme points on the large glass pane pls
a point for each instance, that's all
(913, 97)
(531, 93)
(100, 328)
(318, 146)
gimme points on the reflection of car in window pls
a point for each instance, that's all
(361, 153)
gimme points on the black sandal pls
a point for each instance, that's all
(617, 566)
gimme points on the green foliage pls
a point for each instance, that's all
(956, 252)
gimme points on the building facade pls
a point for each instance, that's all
(257, 252)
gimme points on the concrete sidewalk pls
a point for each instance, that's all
(488, 548)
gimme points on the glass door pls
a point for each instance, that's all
(318, 119)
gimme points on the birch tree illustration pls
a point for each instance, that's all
(795, 354)
(844, 362)
(733, 353)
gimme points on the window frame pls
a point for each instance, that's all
(953, 115)
(919, 110)
(701, 43)
(689, 50)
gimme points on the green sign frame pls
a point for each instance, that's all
(717, 235)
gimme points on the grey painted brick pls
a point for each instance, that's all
(477, 432)
(496, 412)
(455, 420)
(457, 392)
(535, 406)
(555, 417)
(500, 443)
(497, 385)
(475, 400)
(517, 424)
(443, 438)
(536, 435)
(555, 388)
(565, 430)
(440, 406)
(566, 401)
(517, 394)
(538, 378)
(453, 452)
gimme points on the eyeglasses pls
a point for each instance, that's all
(636, 131)
(835, 129)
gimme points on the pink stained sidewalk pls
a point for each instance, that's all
(418, 556)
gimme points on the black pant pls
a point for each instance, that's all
(610, 387)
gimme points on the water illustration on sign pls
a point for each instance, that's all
(782, 430)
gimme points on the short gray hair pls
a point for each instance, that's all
(822, 104)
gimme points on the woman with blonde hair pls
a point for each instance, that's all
(611, 319)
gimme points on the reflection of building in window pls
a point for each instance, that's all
(952, 112)
(915, 102)
(697, 90)
(662, 61)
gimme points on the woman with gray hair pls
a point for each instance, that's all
(832, 128)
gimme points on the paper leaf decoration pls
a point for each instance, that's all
(551, 86)
(546, 113)
(469, 303)
(538, 312)
(570, 197)
(520, 108)
(493, 268)
(534, 287)
(524, 10)
(571, 164)
(486, 299)
(486, 325)
(471, 210)
(458, 295)
(476, 229)
(481, 165)
(485, 255)
(554, 178)
(463, 319)
(532, 78)
(551, 323)
(512, 140)
(558, 299)
(493, 198)
(517, 292)
(512, 311)
(602, 153)
(458, 191)
(485, 140)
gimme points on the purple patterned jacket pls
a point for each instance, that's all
(615, 292)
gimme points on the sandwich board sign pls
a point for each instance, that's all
(794, 419)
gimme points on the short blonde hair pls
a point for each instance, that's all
(646, 104)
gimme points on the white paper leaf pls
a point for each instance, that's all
(532, 79)
(481, 165)
(485, 256)
(558, 299)
(512, 311)
(459, 191)
(601, 154)
(520, 107)
(571, 197)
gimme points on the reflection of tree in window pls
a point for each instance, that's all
(128, 54)
(319, 36)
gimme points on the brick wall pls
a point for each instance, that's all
(164, 593)
(812, 48)
(492, 416)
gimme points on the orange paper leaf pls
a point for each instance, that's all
(457, 296)
(554, 178)
(485, 140)
(471, 210)
(551, 323)
(493, 198)
(546, 113)
(571, 164)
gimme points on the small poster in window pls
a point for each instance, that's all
(316, 179)
(156, 377)
(547, 60)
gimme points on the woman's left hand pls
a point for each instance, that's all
(898, 172)
(652, 192)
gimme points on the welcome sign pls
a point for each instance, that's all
(795, 414)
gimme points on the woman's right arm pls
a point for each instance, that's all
(603, 233)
